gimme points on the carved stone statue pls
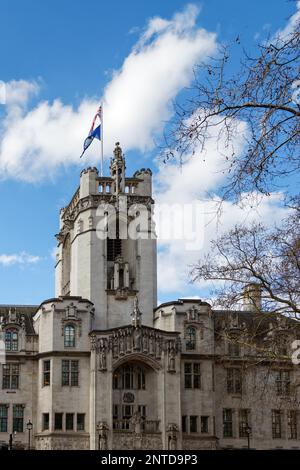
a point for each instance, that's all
(136, 422)
(137, 339)
(102, 429)
(172, 431)
(171, 357)
(136, 314)
(102, 354)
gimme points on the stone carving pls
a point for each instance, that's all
(137, 339)
(173, 347)
(128, 397)
(136, 314)
(136, 422)
(103, 431)
(13, 318)
(172, 432)
(93, 340)
(102, 348)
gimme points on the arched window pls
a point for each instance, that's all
(190, 338)
(69, 336)
(129, 377)
(11, 340)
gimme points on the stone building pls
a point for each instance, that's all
(100, 366)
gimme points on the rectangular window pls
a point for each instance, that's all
(192, 375)
(292, 424)
(115, 411)
(69, 373)
(142, 410)
(74, 373)
(193, 423)
(204, 424)
(58, 421)
(69, 421)
(3, 418)
(11, 340)
(18, 418)
(183, 421)
(45, 421)
(244, 422)
(234, 380)
(46, 373)
(283, 382)
(276, 424)
(227, 423)
(10, 377)
(80, 421)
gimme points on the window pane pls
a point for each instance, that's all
(69, 337)
(65, 372)
(46, 373)
(69, 421)
(45, 421)
(80, 421)
(18, 412)
(3, 418)
(58, 421)
(276, 424)
(74, 373)
(227, 423)
(204, 424)
(190, 338)
(193, 423)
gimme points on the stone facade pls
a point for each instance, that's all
(100, 366)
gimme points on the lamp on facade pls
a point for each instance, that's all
(29, 427)
(248, 432)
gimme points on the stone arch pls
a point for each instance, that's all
(143, 359)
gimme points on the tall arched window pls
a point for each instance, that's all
(69, 336)
(11, 340)
(129, 377)
(190, 338)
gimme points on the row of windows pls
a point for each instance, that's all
(192, 379)
(244, 421)
(64, 419)
(191, 424)
(17, 418)
(12, 338)
(69, 373)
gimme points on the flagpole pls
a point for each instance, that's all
(101, 167)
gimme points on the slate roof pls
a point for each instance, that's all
(27, 310)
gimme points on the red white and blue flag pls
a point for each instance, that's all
(94, 133)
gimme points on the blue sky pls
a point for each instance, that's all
(58, 58)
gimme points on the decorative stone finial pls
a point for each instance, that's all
(136, 314)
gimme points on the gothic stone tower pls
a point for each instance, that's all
(109, 270)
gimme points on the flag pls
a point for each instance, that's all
(94, 133)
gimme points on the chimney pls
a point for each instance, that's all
(252, 298)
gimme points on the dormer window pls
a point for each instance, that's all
(11, 340)
(69, 336)
(190, 338)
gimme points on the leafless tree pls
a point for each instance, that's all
(268, 257)
(264, 94)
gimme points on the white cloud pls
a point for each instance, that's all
(20, 258)
(202, 173)
(292, 24)
(34, 143)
